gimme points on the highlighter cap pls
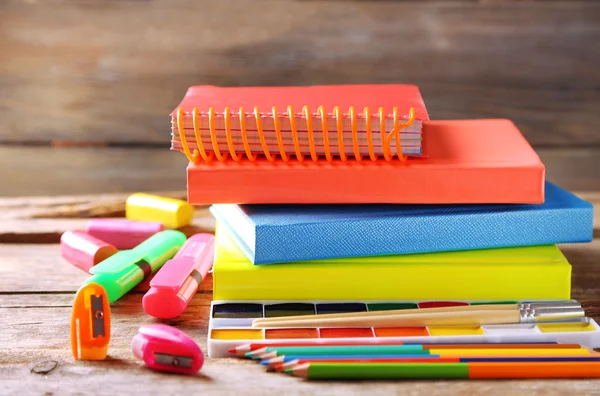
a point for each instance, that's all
(172, 213)
(83, 250)
(196, 254)
(171, 289)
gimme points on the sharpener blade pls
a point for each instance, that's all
(97, 316)
(173, 360)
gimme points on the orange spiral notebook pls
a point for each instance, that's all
(294, 123)
(272, 156)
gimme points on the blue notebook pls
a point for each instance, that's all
(283, 233)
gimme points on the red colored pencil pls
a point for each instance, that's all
(243, 349)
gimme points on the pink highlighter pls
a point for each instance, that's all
(123, 234)
(177, 281)
(166, 348)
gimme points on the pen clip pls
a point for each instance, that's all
(90, 323)
(196, 250)
(117, 262)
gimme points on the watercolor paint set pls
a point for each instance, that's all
(231, 325)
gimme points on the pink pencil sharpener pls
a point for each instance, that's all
(165, 348)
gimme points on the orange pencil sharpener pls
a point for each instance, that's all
(90, 323)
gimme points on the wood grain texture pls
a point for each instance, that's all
(112, 71)
(585, 277)
(75, 206)
(41, 231)
(36, 337)
(39, 171)
(42, 171)
(42, 220)
(52, 273)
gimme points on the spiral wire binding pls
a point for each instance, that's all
(200, 154)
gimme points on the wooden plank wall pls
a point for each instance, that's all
(86, 86)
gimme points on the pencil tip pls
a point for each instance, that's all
(264, 355)
(256, 353)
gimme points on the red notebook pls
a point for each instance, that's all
(470, 161)
(294, 123)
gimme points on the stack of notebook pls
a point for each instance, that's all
(349, 199)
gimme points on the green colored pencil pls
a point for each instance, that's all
(379, 370)
(270, 352)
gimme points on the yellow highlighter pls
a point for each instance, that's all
(172, 213)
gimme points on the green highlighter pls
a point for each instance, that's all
(124, 270)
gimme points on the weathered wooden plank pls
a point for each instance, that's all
(44, 219)
(72, 206)
(231, 376)
(50, 230)
(77, 207)
(585, 276)
(35, 338)
(112, 71)
(42, 171)
(36, 171)
(53, 274)
(35, 311)
(40, 268)
(40, 231)
(22, 219)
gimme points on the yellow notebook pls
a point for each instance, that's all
(516, 273)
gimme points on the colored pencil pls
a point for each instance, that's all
(277, 363)
(470, 315)
(269, 352)
(280, 364)
(488, 370)
(266, 358)
(241, 350)
(286, 358)
(458, 353)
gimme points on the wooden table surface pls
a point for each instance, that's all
(86, 88)
(37, 289)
